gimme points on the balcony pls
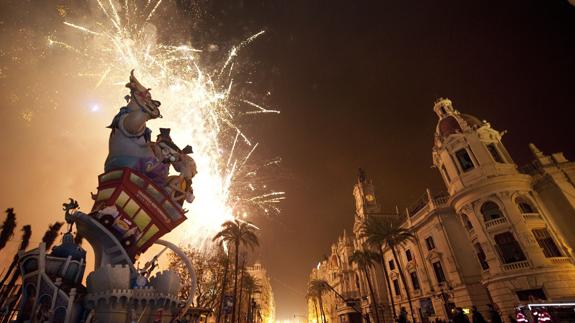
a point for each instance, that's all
(495, 222)
(427, 203)
(516, 265)
(532, 217)
(560, 260)
(529, 169)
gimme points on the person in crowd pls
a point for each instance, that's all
(476, 315)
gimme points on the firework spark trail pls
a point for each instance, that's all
(84, 29)
(197, 106)
(153, 10)
(261, 109)
(235, 49)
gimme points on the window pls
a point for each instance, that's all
(464, 159)
(430, 244)
(525, 206)
(408, 255)
(445, 173)
(466, 222)
(490, 211)
(481, 256)
(508, 248)
(530, 294)
(391, 265)
(495, 152)
(546, 243)
(396, 287)
(414, 280)
(438, 272)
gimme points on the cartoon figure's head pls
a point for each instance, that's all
(141, 97)
(164, 148)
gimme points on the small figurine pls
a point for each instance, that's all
(179, 186)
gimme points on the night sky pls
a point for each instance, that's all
(355, 82)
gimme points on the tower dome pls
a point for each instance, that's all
(451, 121)
(467, 149)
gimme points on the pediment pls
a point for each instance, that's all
(433, 255)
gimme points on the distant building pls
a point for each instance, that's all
(501, 235)
(263, 305)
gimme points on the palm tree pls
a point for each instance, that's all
(386, 231)
(365, 260)
(51, 234)
(310, 295)
(7, 290)
(237, 233)
(317, 288)
(27, 232)
(7, 227)
(224, 284)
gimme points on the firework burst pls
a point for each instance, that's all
(198, 106)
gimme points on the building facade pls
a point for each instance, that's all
(500, 235)
(263, 301)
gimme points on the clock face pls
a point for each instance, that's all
(370, 197)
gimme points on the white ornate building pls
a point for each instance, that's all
(501, 234)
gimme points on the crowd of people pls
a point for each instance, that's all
(494, 316)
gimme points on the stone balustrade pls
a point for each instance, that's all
(516, 265)
(495, 222)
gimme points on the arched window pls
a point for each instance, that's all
(525, 206)
(466, 222)
(491, 211)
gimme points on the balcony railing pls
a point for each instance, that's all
(560, 260)
(529, 169)
(532, 216)
(495, 222)
(427, 202)
(516, 265)
(350, 295)
(441, 200)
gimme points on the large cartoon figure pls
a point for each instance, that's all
(130, 139)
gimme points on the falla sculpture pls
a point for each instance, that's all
(137, 202)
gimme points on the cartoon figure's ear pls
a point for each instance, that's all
(187, 150)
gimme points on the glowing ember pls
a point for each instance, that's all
(197, 106)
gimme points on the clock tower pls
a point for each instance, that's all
(365, 201)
